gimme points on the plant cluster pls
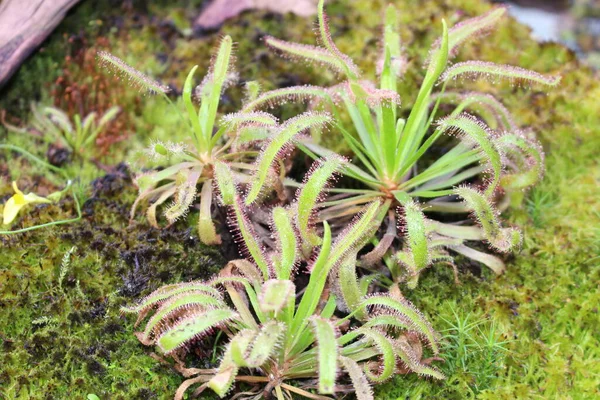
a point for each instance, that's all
(272, 326)
(282, 335)
(232, 139)
(408, 213)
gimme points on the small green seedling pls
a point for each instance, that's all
(78, 135)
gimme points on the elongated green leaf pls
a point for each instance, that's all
(476, 26)
(239, 346)
(265, 344)
(354, 237)
(391, 62)
(349, 285)
(212, 87)
(416, 257)
(287, 246)
(410, 136)
(246, 236)
(242, 228)
(310, 194)
(293, 94)
(225, 183)
(206, 227)
(223, 380)
(385, 348)
(529, 158)
(483, 104)
(349, 68)
(185, 301)
(473, 131)
(258, 118)
(313, 54)
(134, 77)
(361, 385)
(387, 321)
(389, 305)
(191, 110)
(502, 239)
(192, 327)
(327, 353)
(165, 292)
(278, 146)
(310, 299)
(405, 352)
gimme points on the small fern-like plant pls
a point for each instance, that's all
(284, 340)
(189, 173)
(488, 156)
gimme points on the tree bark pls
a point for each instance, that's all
(24, 24)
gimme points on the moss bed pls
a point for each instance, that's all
(530, 333)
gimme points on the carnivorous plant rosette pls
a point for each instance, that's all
(488, 154)
(188, 173)
(288, 335)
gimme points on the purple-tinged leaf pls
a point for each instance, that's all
(349, 68)
(486, 215)
(361, 385)
(134, 77)
(475, 133)
(477, 26)
(278, 146)
(493, 72)
(292, 94)
(193, 327)
(526, 160)
(313, 54)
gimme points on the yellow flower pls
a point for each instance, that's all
(18, 201)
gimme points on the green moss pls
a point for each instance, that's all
(64, 338)
(70, 342)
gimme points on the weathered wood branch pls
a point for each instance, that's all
(24, 24)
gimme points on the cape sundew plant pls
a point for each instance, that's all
(189, 171)
(488, 154)
(283, 339)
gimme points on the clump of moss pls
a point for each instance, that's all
(63, 334)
